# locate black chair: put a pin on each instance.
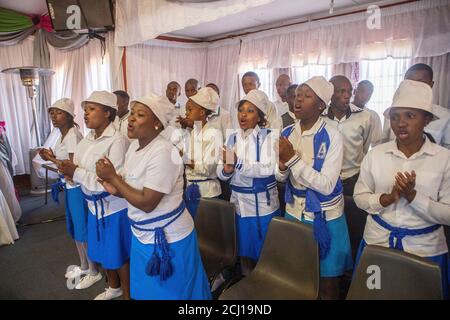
(402, 276)
(216, 232)
(288, 267)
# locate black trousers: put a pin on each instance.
(349, 185)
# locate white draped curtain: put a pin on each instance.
(15, 106)
(221, 68)
(419, 29)
(441, 69)
(78, 73)
(151, 66)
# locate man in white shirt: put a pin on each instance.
(121, 120)
(362, 95)
(289, 117)
(221, 119)
(282, 84)
(173, 91)
(250, 81)
(355, 125)
(438, 129)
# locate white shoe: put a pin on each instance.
(109, 294)
(76, 272)
(69, 270)
(88, 281)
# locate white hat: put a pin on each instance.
(259, 99)
(105, 98)
(160, 106)
(413, 94)
(322, 88)
(207, 98)
(64, 104)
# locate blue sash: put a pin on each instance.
(160, 262)
(314, 201)
(57, 187)
(192, 192)
(398, 234)
(259, 185)
(94, 198)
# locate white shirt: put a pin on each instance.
(439, 129)
(158, 167)
(112, 144)
(302, 174)
(63, 148)
(357, 132)
(121, 124)
(222, 121)
(377, 134)
(204, 146)
(281, 107)
(248, 168)
(430, 206)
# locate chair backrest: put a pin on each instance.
(390, 274)
(216, 230)
(291, 255)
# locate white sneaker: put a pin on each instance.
(69, 269)
(88, 281)
(76, 272)
(109, 294)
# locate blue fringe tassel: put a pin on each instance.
(322, 235)
(166, 269)
(193, 192)
(57, 187)
(153, 265)
(160, 266)
(288, 197)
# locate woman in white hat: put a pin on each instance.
(62, 116)
(248, 163)
(203, 149)
(165, 259)
(310, 161)
(404, 184)
(109, 233)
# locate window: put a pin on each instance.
(385, 75)
(266, 79)
(301, 74)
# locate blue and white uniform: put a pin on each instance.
(314, 192)
(165, 258)
(204, 147)
(253, 185)
(109, 233)
(414, 227)
(76, 208)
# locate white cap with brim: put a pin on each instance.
(207, 98)
(159, 105)
(259, 99)
(321, 87)
(413, 94)
(64, 104)
(104, 98)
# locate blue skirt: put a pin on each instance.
(339, 259)
(188, 281)
(249, 242)
(76, 214)
(112, 248)
(442, 260)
